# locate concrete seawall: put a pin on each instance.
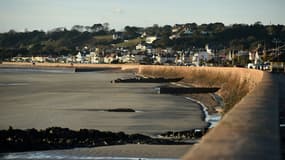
(234, 83)
(250, 128)
(249, 131)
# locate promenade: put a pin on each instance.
(250, 130)
(281, 79)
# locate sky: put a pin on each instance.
(45, 15)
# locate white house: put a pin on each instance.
(183, 58)
(118, 35)
(150, 39)
(200, 57)
(96, 58)
(39, 59)
(79, 58)
(161, 59)
(128, 58)
(143, 35)
(140, 47)
(111, 58)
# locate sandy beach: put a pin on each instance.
(130, 151)
(72, 100)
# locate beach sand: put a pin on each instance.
(72, 100)
(121, 151)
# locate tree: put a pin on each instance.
(106, 27)
(97, 27)
(79, 28)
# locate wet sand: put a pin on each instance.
(72, 100)
(130, 151)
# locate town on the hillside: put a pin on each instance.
(182, 45)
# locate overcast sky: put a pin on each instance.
(48, 14)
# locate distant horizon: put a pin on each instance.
(49, 14)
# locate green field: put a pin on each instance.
(130, 43)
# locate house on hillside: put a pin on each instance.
(141, 47)
(183, 58)
(200, 58)
(79, 58)
(21, 59)
(186, 32)
(118, 35)
(143, 35)
(110, 58)
(128, 58)
(96, 58)
(164, 58)
(150, 39)
(39, 59)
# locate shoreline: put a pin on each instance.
(212, 119)
(178, 131)
(49, 112)
(209, 105)
(123, 67)
(128, 152)
(17, 140)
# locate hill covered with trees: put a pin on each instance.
(62, 41)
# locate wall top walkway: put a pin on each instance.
(248, 131)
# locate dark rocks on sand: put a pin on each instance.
(16, 140)
(190, 134)
(146, 80)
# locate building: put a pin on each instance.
(150, 39)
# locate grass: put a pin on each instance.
(130, 43)
(104, 38)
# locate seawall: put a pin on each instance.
(234, 83)
(250, 128)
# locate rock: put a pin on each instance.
(121, 110)
(15, 140)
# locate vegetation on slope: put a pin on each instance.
(62, 41)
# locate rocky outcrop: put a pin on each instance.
(120, 110)
(16, 140)
(185, 135)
